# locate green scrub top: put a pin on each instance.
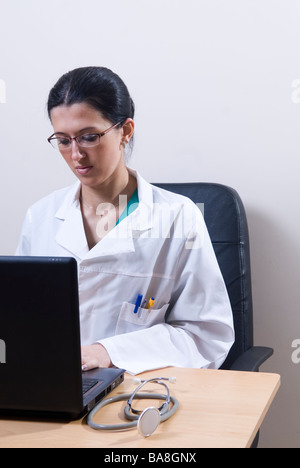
(131, 206)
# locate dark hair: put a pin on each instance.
(97, 86)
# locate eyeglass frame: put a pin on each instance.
(52, 137)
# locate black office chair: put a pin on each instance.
(226, 221)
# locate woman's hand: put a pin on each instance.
(94, 356)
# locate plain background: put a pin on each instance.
(217, 99)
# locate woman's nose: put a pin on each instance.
(77, 153)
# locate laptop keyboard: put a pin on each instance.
(87, 384)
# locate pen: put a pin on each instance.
(141, 307)
(138, 303)
(151, 303)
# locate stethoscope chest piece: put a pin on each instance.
(148, 421)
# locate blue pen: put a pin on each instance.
(138, 303)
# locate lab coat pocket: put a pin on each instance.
(128, 321)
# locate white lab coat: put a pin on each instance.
(161, 250)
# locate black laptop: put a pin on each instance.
(40, 358)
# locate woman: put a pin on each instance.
(150, 290)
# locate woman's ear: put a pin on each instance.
(128, 129)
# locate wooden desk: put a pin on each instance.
(217, 409)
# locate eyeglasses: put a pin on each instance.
(88, 140)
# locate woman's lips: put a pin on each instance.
(83, 170)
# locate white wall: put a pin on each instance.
(212, 82)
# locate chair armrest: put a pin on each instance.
(251, 359)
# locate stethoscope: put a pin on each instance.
(147, 420)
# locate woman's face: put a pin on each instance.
(99, 164)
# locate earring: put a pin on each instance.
(123, 142)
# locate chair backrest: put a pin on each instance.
(226, 222)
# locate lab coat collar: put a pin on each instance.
(141, 218)
(72, 237)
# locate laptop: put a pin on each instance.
(40, 355)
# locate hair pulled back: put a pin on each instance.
(98, 87)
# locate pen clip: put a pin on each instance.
(138, 303)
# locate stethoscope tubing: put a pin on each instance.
(162, 409)
(126, 396)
